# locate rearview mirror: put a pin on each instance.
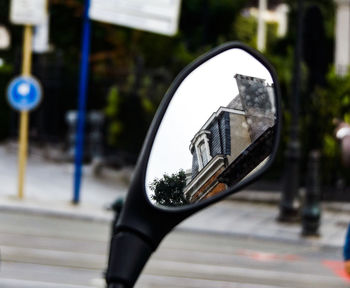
(216, 130)
(219, 129)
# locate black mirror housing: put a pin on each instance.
(142, 225)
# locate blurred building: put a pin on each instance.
(268, 12)
(233, 141)
(342, 36)
(277, 13)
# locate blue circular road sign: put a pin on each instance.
(24, 93)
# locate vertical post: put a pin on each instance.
(24, 116)
(27, 50)
(288, 209)
(262, 26)
(84, 65)
(311, 215)
(342, 37)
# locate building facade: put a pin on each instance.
(217, 148)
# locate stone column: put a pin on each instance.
(261, 25)
(342, 36)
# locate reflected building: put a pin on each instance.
(233, 141)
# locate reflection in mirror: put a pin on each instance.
(218, 129)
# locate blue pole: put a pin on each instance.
(84, 66)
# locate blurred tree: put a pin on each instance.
(245, 28)
(317, 66)
(142, 86)
(131, 70)
(205, 22)
(6, 69)
(112, 112)
(280, 53)
(114, 54)
(332, 102)
(5, 72)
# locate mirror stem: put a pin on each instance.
(128, 255)
(116, 286)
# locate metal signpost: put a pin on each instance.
(24, 93)
(153, 16)
(84, 65)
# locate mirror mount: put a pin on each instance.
(139, 231)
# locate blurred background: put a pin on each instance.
(130, 70)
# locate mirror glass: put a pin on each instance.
(218, 129)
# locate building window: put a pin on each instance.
(203, 153)
(202, 149)
(200, 146)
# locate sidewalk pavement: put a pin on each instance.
(48, 192)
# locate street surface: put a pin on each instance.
(61, 252)
(50, 181)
